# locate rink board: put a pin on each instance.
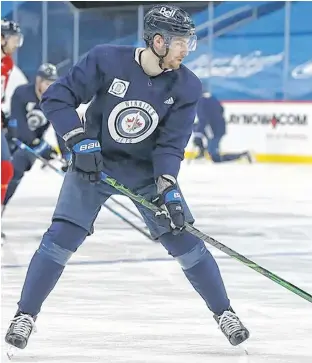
(276, 131)
(273, 131)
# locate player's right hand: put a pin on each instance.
(87, 158)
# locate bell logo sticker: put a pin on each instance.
(168, 13)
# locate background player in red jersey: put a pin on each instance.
(11, 39)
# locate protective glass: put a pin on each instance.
(185, 43)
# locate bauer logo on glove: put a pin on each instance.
(90, 146)
(86, 159)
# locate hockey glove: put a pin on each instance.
(44, 149)
(170, 201)
(87, 158)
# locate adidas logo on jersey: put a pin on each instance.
(169, 101)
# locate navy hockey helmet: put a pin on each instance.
(48, 71)
(9, 28)
(168, 21)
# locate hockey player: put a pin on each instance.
(31, 124)
(137, 127)
(11, 39)
(211, 126)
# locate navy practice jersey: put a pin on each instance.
(210, 112)
(143, 123)
(31, 121)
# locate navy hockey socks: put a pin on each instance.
(199, 267)
(207, 281)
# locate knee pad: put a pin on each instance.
(187, 249)
(61, 240)
(193, 256)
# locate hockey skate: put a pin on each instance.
(232, 327)
(20, 329)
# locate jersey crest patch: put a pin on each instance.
(131, 122)
(118, 87)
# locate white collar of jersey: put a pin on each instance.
(137, 54)
(137, 57)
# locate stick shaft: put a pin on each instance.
(270, 275)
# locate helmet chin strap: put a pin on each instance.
(160, 57)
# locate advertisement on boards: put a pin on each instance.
(277, 128)
(273, 131)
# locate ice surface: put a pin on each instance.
(123, 299)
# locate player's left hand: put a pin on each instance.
(170, 201)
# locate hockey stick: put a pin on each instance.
(23, 146)
(194, 231)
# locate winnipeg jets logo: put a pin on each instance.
(132, 122)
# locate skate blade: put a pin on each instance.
(243, 348)
(11, 351)
(244, 354)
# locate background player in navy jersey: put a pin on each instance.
(137, 127)
(31, 125)
(211, 127)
